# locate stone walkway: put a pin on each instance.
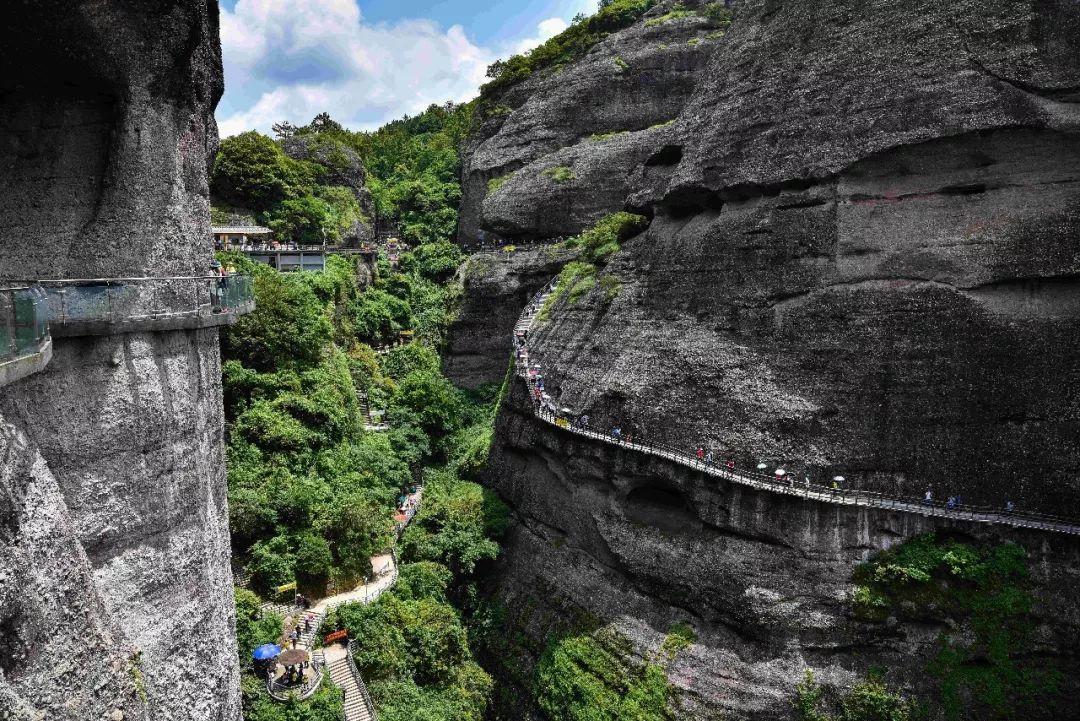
(546, 411)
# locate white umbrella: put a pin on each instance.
(762, 466)
(838, 479)
(545, 396)
(781, 472)
(565, 410)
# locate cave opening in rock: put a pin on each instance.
(660, 504)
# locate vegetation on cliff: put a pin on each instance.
(567, 46)
(984, 666)
(597, 245)
(252, 174)
(410, 168)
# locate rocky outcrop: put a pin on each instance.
(862, 260)
(898, 307)
(115, 463)
(342, 167)
(628, 84)
(495, 286)
(616, 538)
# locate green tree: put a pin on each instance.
(288, 327)
(252, 171)
(307, 220)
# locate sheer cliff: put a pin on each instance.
(862, 260)
(117, 600)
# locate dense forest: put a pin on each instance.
(311, 492)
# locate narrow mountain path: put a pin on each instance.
(546, 411)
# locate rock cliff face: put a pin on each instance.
(862, 260)
(637, 544)
(495, 287)
(627, 88)
(121, 604)
(343, 168)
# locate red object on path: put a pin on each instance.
(335, 636)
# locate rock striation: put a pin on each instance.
(112, 456)
(599, 118)
(862, 260)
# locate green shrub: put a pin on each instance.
(693, 42)
(981, 664)
(868, 700)
(495, 183)
(680, 636)
(601, 137)
(611, 287)
(622, 65)
(567, 46)
(603, 239)
(592, 677)
(559, 173)
(677, 12)
(716, 12)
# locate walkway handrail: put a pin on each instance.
(283, 692)
(24, 321)
(364, 693)
(25, 341)
(152, 301)
(807, 490)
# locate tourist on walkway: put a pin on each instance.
(731, 464)
(700, 454)
(294, 637)
(709, 457)
(616, 433)
(1009, 507)
(928, 499)
(950, 504)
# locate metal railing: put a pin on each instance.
(283, 691)
(787, 486)
(365, 695)
(134, 300)
(24, 322)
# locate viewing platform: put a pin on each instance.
(105, 306)
(257, 243)
(25, 343)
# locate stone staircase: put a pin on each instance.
(307, 638)
(356, 706)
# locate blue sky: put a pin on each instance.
(368, 61)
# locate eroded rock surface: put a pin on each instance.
(863, 260)
(120, 522)
(495, 286)
(634, 543)
(632, 84)
(343, 168)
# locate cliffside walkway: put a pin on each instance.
(25, 343)
(546, 411)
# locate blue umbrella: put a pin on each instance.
(267, 650)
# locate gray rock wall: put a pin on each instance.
(494, 290)
(638, 544)
(862, 259)
(107, 128)
(628, 83)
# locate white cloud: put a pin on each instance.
(546, 29)
(294, 60)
